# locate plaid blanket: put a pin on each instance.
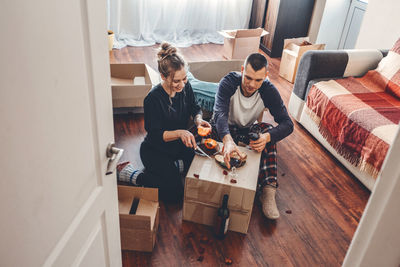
(357, 116)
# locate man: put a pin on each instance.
(240, 99)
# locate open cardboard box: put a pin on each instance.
(291, 55)
(238, 44)
(210, 72)
(213, 71)
(139, 230)
(131, 83)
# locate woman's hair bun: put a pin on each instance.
(169, 59)
(166, 50)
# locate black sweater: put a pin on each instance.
(160, 115)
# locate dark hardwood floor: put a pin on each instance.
(319, 200)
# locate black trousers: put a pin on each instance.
(161, 171)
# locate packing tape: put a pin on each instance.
(205, 204)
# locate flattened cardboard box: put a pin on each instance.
(130, 83)
(203, 195)
(139, 230)
(238, 44)
(291, 55)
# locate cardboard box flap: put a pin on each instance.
(154, 77)
(292, 47)
(228, 34)
(125, 203)
(127, 70)
(148, 208)
(294, 44)
(251, 33)
(296, 41)
(213, 71)
(138, 192)
(264, 32)
(243, 33)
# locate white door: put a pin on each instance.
(58, 208)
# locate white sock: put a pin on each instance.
(128, 174)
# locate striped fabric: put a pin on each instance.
(359, 117)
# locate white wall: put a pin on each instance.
(381, 25)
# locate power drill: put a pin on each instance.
(254, 136)
(254, 132)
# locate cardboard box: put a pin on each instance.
(139, 230)
(130, 83)
(203, 195)
(291, 55)
(213, 71)
(238, 44)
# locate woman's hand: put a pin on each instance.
(187, 138)
(204, 124)
(200, 122)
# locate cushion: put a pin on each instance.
(204, 92)
(389, 69)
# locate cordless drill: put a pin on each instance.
(254, 136)
(254, 132)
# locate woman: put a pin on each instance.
(168, 148)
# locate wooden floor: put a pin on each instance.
(319, 200)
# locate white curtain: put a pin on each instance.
(180, 22)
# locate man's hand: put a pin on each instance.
(187, 138)
(259, 144)
(228, 148)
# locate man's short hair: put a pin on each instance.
(257, 61)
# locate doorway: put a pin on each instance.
(352, 25)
